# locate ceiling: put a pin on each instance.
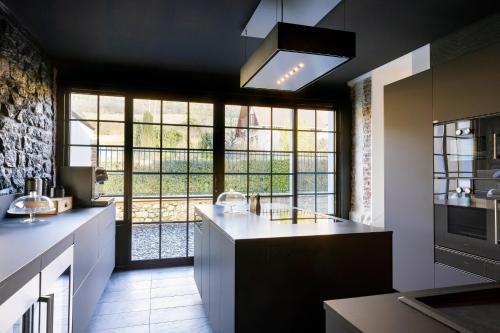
(204, 36)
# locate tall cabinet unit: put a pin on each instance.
(408, 164)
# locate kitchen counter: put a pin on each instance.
(385, 313)
(250, 226)
(271, 273)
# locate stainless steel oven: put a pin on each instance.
(467, 189)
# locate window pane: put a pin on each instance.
(235, 162)
(147, 111)
(83, 132)
(282, 140)
(112, 108)
(325, 141)
(174, 161)
(146, 185)
(111, 134)
(173, 210)
(173, 240)
(259, 139)
(194, 202)
(325, 120)
(201, 138)
(174, 136)
(190, 239)
(82, 156)
(307, 202)
(259, 184)
(282, 184)
(201, 161)
(174, 185)
(282, 118)
(287, 201)
(111, 158)
(201, 114)
(306, 119)
(325, 183)
(146, 160)
(200, 185)
(236, 116)
(326, 204)
(282, 163)
(83, 106)
(325, 162)
(146, 136)
(145, 242)
(305, 183)
(236, 182)
(259, 162)
(119, 208)
(145, 210)
(236, 139)
(175, 112)
(260, 117)
(305, 162)
(112, 186)
(305, 141)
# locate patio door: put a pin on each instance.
(172, 171)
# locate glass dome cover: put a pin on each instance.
(31, 204)
(232, 201)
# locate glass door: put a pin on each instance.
(172, 171)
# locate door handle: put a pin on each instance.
(495, 156)
(49, 300)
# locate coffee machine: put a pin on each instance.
(81, 183)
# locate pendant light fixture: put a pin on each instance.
(293, 56)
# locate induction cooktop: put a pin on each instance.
(284, 214)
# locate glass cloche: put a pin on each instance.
(31, 204)
(232, 201)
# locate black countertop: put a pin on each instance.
(243, 226)
(21, 244)
(386, 314)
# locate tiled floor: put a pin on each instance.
(151, 300)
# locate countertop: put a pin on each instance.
(21, 244)
(386, 314)
(250, 226)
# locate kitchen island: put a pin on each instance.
(271, 273)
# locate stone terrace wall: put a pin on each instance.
(26, 109)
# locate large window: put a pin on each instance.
(259, 152)
(97, 132)
(172, 172)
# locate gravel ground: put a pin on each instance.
(146, 245)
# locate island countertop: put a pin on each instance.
(242, 226)
(22, 244)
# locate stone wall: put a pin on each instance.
(361, 177)
(26, 109)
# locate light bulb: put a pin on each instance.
(278, 82)
(290, 72)
(295, 69)
(286, 76)
(301, 65)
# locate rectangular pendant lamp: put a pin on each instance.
(293, 56)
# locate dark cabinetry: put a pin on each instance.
(467, 86)
(408, 180)
(446, 276)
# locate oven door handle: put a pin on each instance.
(49, 300)
(494, 195)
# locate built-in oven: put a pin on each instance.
(44, 303)
(467, 188)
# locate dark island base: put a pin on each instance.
(281, 283)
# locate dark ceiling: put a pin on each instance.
(204, 36)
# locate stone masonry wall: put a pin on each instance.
(26, 109)
(362, 152)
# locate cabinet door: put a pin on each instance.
(447, 276)
(468, 86)
(197, 257)
(205, 266)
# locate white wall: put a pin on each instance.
(398, 69)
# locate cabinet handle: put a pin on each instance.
(49, 300)
(494, 146)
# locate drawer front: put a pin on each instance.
(86, 251)
(469, 263)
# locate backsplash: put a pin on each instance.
(26, 108)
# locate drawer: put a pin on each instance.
(461, 260)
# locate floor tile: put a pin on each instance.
(174, 290)
(124, 295)
(119, 320)
(123, 284)
(121, 306)
(177, 313)
(132, 275)
(167, 282)
(173, 301)
(199, 325)
(131, 329)
(171, 272)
